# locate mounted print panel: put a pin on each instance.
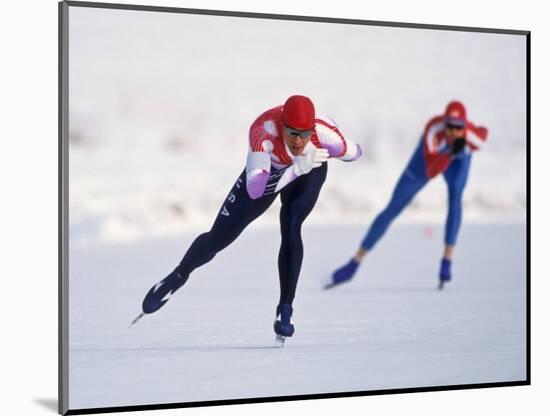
(262, 207)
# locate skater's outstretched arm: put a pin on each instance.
(476, 136)
(332, 139)
(436, 152)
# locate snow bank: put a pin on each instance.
(160, 106)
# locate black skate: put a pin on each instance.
(283, 326)
(159, 294)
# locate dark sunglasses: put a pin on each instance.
(453, 127)
(304, 134)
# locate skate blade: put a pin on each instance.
(441, 285)
(280, 341)
(332, 284)
(141, 315)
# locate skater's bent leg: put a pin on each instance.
(456, 177)
(298, 199)
(405, 190)
(291, 255)
(360, 254)
(236, 213)
(411, 181)
(203, 249)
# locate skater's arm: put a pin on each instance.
(301, 165)
(352, 153)
(260, 181)
(476, 136)
(258, 163)
(439, 158)
(258, 167)
(436, 153)
(332, 139)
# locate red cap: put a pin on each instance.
(299, 113)
(455, 113)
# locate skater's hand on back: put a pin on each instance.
(313, 159)
(457, 146)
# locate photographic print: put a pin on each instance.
(263, 207)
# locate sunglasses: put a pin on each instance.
(453, 127)
(304, 134)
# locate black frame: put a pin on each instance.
(63, 176)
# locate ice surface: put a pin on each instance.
(389, 328)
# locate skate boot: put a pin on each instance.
(444, 272)
(159, 294)
(343, 274)
(283, 326)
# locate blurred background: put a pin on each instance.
(160, 106)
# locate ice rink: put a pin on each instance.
(389, 328)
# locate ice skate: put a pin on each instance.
(283, 326)
(343, 274)
(444, 273)
(160, 293)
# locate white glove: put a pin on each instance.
(312, 159)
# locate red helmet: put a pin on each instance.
(455, 113)
(299, 113)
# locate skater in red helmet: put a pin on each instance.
(446, 148)
(289, 146)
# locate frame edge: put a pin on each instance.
(63, 292)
